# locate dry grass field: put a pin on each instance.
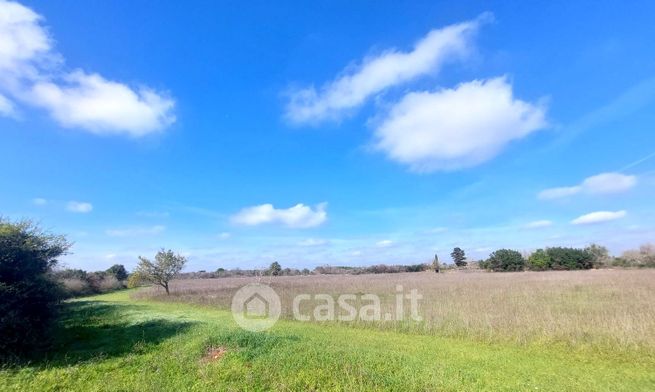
(603, 309)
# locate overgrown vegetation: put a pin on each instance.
(77, 282)
(28, 294)
(561, 258)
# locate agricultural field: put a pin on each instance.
(553, 331)
(613, 309)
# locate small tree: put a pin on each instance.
(539, 260)
(435, 264)
(275, 269)
(459, 257)
(119, 272)
(506, 260)
(165, 267)
(600, 254)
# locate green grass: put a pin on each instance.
(113, 343)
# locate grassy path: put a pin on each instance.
(111, 343)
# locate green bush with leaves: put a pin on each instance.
(570, 258)
(539, 261)
(28, 294)
(505, 260)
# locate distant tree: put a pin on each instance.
(570, 258)
(459, 257)
(600, 254)
(275, 269)
(435, 264)
(539, 260)
(118, 271)
(165, 267)
(28, 294)
(505, 260)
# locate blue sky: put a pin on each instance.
(337, 133)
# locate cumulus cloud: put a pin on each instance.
(604, 183)
(298, 216)
(377, 73)
(456, 128)
(31, 71)
(599, 217)
(79, 207)
(539, 224)
(135, 231)
(98, 105)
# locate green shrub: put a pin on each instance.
(569, 258)
(505, 260)
(539, 261)
(28, 294)
(134, 280)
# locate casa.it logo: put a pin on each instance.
(256, 307)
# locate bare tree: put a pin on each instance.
(165, 267)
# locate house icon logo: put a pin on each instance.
(256, 307)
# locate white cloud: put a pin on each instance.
(598, 217)
(101, 106)
(31, 71)
(310, 242)
(456, 128)
(604, 183)
(39, 201)
(539, 224)
(298, 216)
(609, 183)
(135, 231)
(384, 243)
(224, 235)
(6, 107)
(375, 74)
(79, 207)
(556, 193)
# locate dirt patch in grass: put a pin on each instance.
(214, 354)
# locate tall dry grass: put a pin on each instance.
(598, 308)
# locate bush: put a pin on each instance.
(505, 260)
(78, 283)
(118, 271)
(134, 280)
(642, 258)
(539, 261)
(75, 287)
(28, 294)
(600, 255)
(569, 258)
